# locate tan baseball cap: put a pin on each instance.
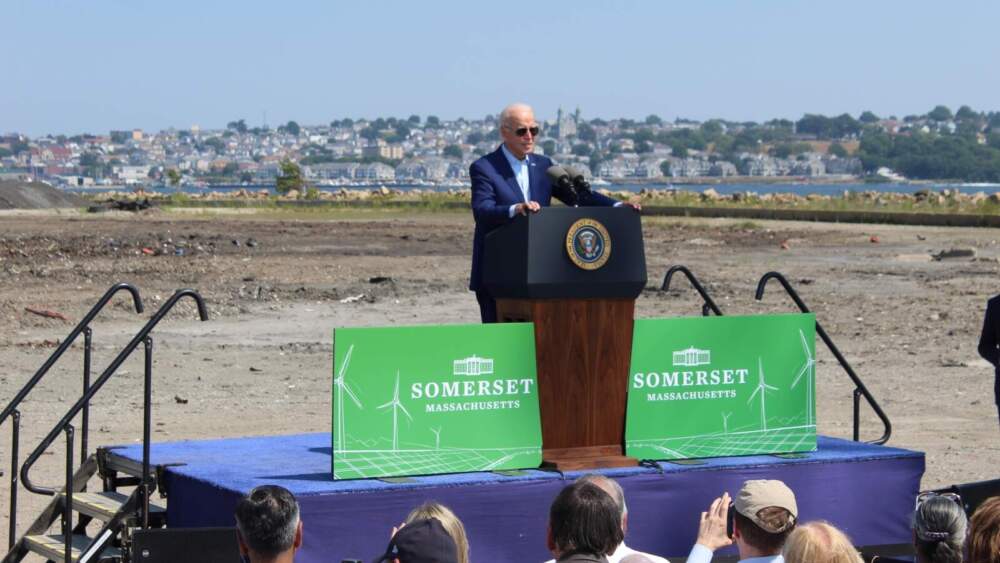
(758, 494)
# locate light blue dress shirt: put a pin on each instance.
(520, 168)
(701, 554)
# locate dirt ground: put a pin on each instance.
(277, 284)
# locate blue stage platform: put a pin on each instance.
(866, 490)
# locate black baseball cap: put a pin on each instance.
(421, 541)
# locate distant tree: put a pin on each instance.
(290, 178)
(5, 152)
(712, 129)
(293, 128)
(643, 147)
(665, 168)
(585, 132)
(653, 119)
(369, 133)
(173, 176)
(433, 122)
(837, 150)
(89, 159)
(643, 135)
(965, 113)
(598, 122)
(414, 119)
(454, 151)
(476, 137)
(230, 169)
(940, 113)
(549, 147)
(238, 126)
(216, 144)
(785, 150)
(246, 177)
(868, 117)
(679, 150)
(582, 149)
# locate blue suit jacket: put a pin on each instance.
(495, 189)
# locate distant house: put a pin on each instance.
(424, 168)
(849, 165)
(375, 171)
(723, 169)
(330, 171)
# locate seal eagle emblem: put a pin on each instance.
(588, 244)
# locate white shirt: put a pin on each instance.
(623, 551)
(701, 554)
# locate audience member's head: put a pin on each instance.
(584, 519)
(268, 525)
(765, 513)
(421, 541)
(819, 542)
(636, 558)
(939, 525)
(448, 520)
(611, 487)
(984, 533)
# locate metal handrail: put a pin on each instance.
(11, 409)
(100, 381)
(70, 338)
(859, 387)
(709, 303)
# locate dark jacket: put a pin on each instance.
(495, 189)
(989, 341)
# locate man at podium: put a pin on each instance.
(508, 182)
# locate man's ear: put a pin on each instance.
(297, 543)
(624, 523)
(244, 550)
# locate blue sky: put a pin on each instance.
(71, 66)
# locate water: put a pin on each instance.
(725, 189)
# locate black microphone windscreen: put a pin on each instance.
(555, 172)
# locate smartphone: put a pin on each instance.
(730, 518)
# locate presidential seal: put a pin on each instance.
(588, 244)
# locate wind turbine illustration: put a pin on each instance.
(396, 406)
(725, 422)
(762, 388)
(807, 368)
(342, 388)
(437, 437)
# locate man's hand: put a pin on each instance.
(525, 208)
(635, 205)
(712, 529)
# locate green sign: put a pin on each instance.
(721, 386)
(422, 400)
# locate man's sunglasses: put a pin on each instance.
(522, 131)
(925, 496)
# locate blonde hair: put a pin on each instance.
(448, 520)
(819, 542)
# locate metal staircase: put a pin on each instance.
(105, 520)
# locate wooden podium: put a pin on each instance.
(583, 318)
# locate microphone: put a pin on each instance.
(580, 183)
(562, 184)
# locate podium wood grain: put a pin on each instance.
(582, 348)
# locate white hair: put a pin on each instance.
(506, 112)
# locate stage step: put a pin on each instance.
(104, 506)
(53, 547)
